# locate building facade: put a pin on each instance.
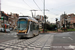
(71, 20)
(40, 19)
(13, 17)
(9, 19)
(67, 20)
(4, 21)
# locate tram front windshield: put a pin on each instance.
(22, 25)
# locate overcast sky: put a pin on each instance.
(23, 7)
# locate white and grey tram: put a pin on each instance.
(27, 27)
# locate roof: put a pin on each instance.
(28, 18)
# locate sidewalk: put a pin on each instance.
(1, 33)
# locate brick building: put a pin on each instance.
(13, 17)
(9, 19)
(5, 21)
(41, 20)
(71, 20)
(67, 20)
(63, 18)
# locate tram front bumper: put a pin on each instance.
(23, 35)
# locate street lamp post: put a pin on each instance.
(32, 12)
(0, 13)
(64, 21)
(57, 23)
(0, 19)
(44, 15)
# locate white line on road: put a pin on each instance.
(72, 47)
(63, 37)
(15, 36)
(8, 49)
(25, 48)
(37, 49)
(70, 38)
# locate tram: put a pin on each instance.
(27, 27)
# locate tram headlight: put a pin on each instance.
(25, 32)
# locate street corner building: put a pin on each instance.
(8, 19)
(68, 20)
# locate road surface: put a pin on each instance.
(44, 41)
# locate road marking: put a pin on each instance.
(25, 48)
(2, 47)
(37, 49)
(37, 45)
(48, 43)
(15, 36)
(70, 38)
(72, 47)
(30, 47)
(8, 49)
(46, 47)
(63, 37)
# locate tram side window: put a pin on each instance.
(31, 27)
(37, 27)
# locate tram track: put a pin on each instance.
(35, 43)
(15, 42)
(44, 46)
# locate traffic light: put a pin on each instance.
(1, 18)
(56, 19)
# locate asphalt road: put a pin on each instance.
(7, 36)
(64, 41)
(44, 41)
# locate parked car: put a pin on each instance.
(8, 30)
(11, 28)
(0, 29)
